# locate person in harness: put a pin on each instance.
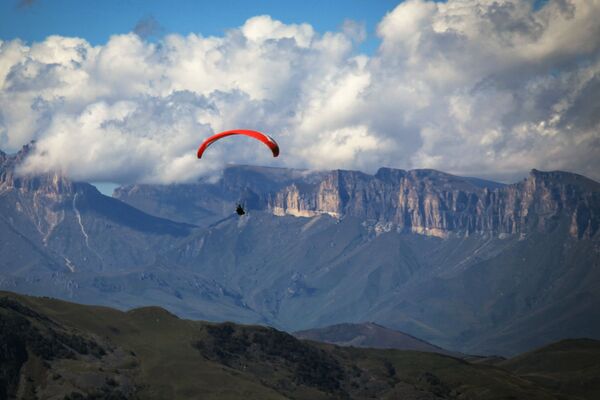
(265, 139)
(240, 210)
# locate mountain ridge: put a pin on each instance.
(420, 201)
(371, 335)
(48, 208)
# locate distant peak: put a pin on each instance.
(387, 173)
(537, 172)
(564, 177)
(27, 149)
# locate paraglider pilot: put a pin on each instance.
(267, 140)
(240, 210)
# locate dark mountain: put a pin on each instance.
(569, 367)
(370, 335)
(55, 349)
(470, 265)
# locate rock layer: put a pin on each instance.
(437, 204)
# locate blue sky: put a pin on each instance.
(96, 21)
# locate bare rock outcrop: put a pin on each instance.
(437, 204)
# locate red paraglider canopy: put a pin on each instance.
(269, 141)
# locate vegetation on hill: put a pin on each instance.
(59, 350)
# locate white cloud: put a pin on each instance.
(477, 87)
(495, 85)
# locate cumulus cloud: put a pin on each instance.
(497, 84)
(478, 87)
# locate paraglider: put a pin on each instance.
(269, 141)
(266, 139)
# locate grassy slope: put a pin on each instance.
(569, 366)
(179, 359)
(161, 341)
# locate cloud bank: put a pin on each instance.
(474, 87)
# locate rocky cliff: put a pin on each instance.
(437, 204)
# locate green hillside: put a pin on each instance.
(53, 349)
(570, 366)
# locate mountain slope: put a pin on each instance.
(477, 294)
(66, 239)
(148, 353)
(75, 225)
(370, 335)
(568, 367)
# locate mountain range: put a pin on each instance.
(468, 264)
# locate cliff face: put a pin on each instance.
(436, 204)
(425, 202)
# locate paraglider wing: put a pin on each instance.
(269, 141)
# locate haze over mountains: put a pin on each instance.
(467, 264)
